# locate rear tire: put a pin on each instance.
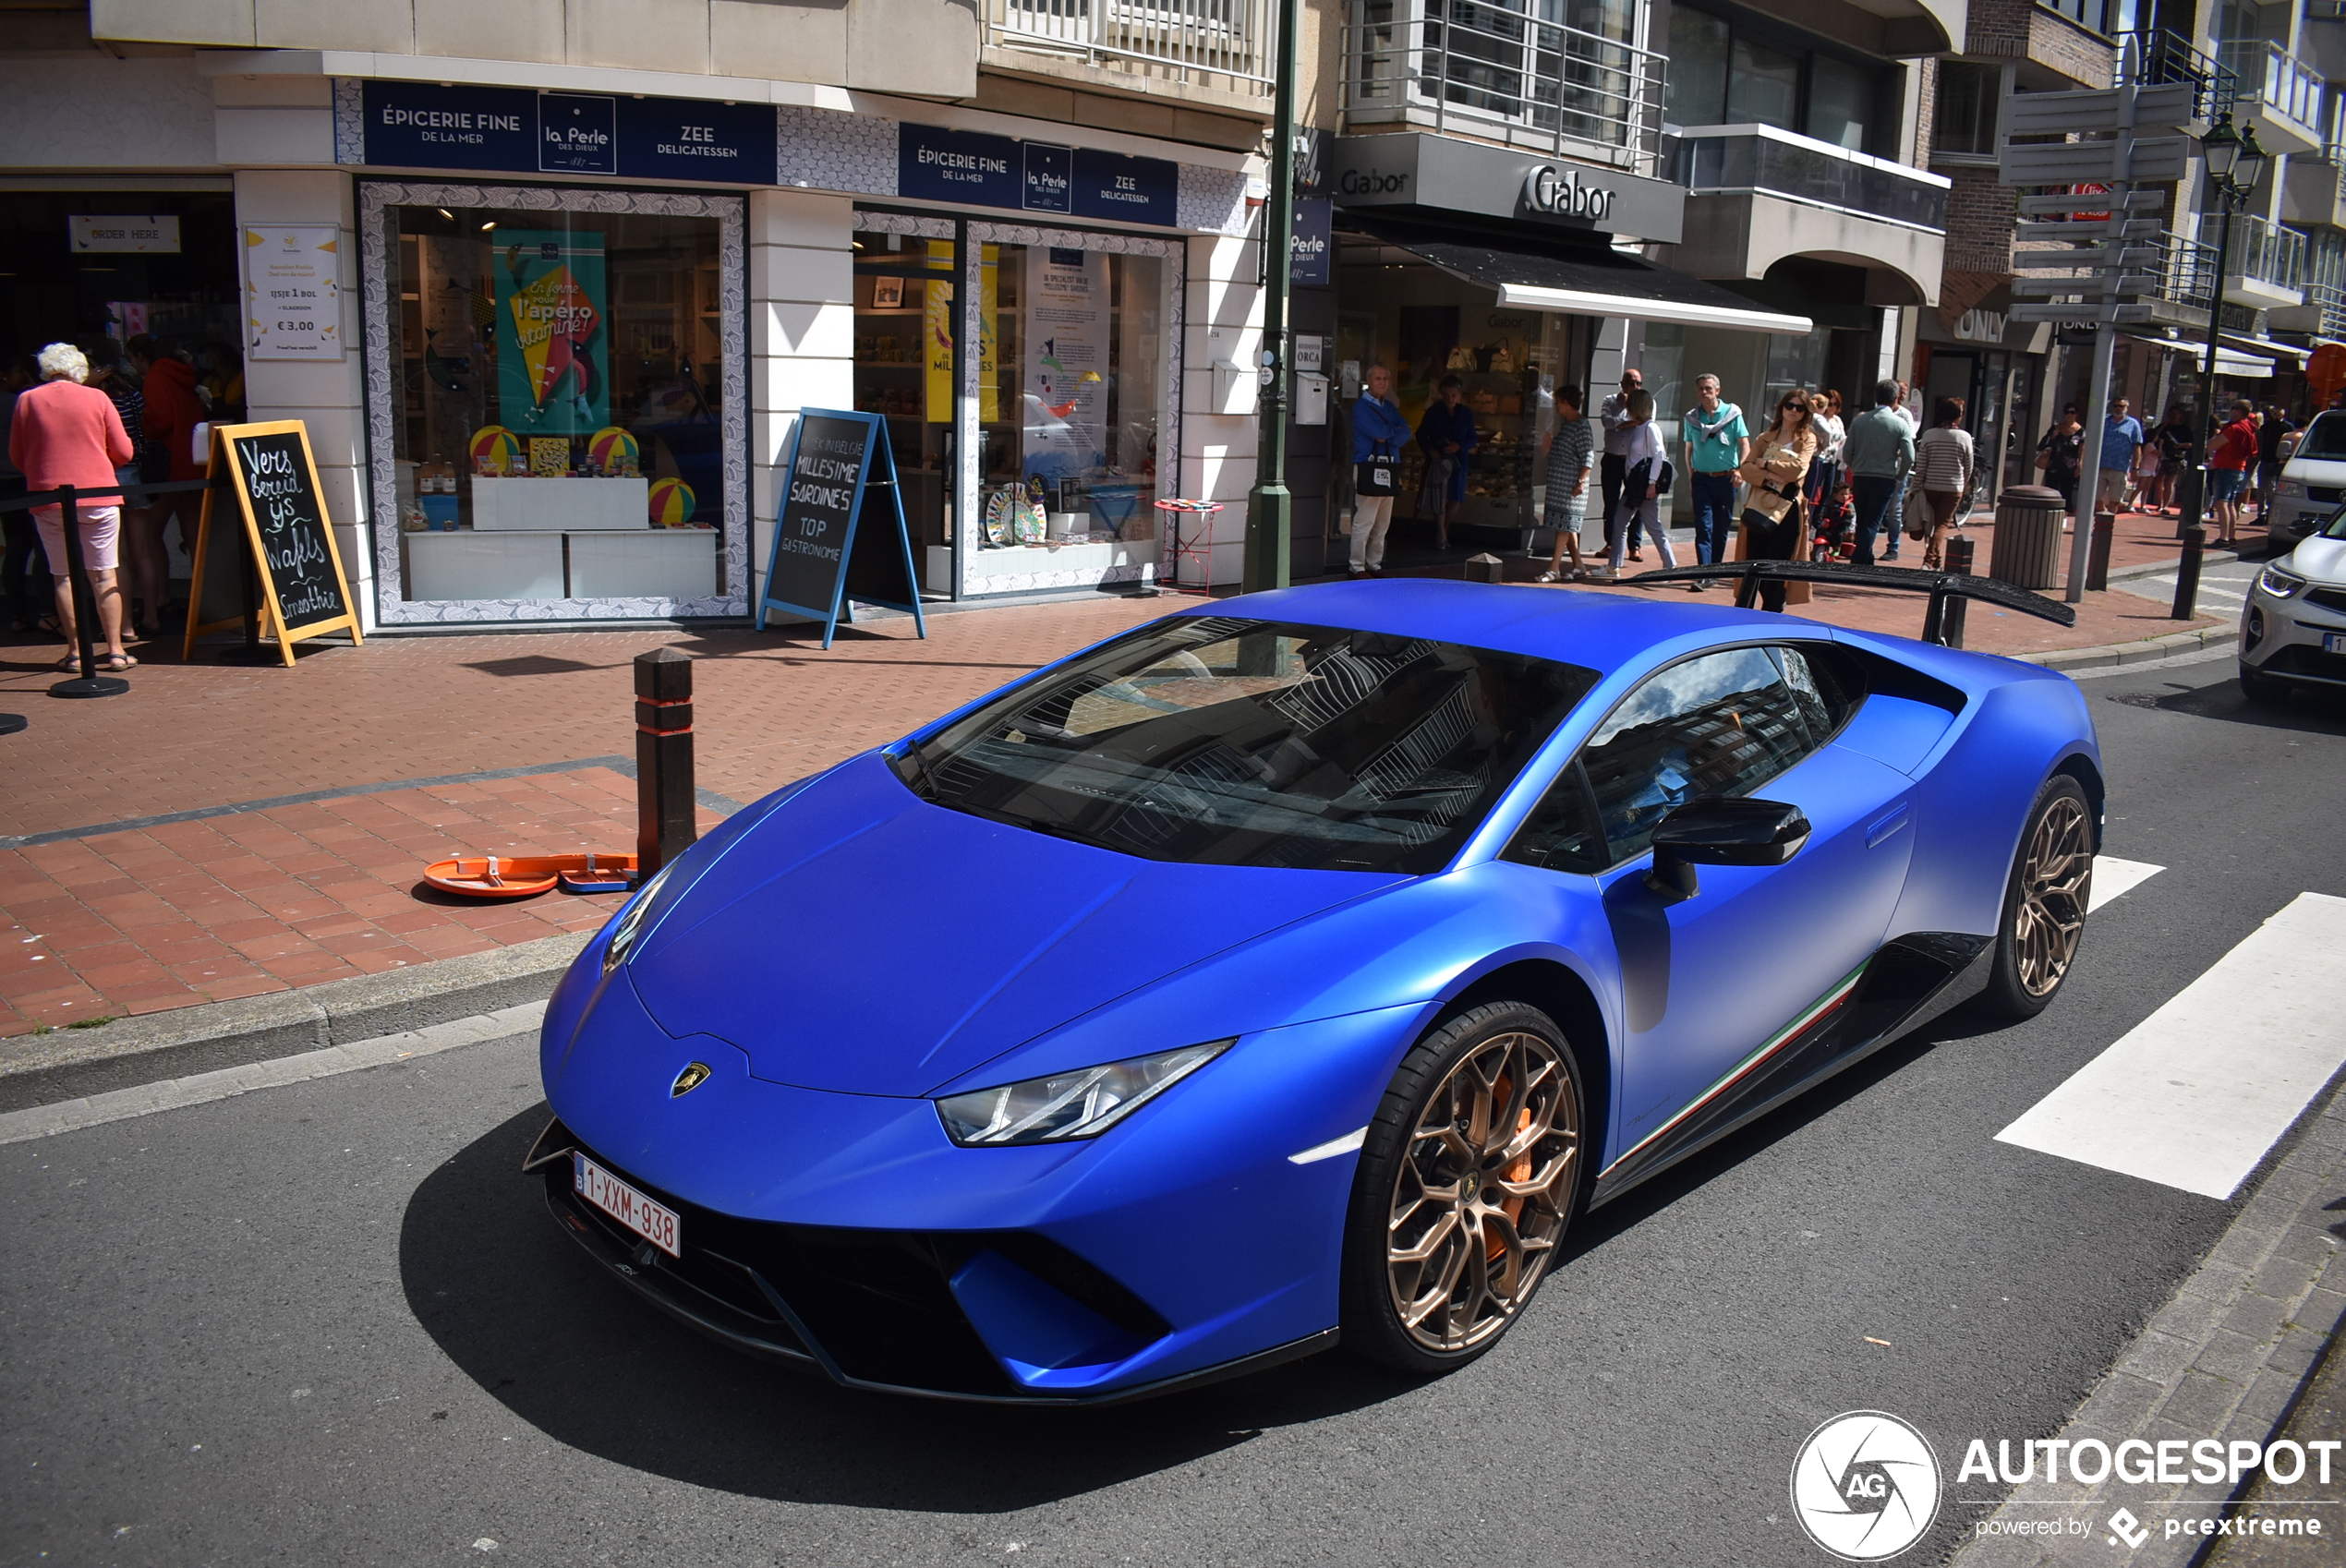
(1471, 1173)
(2045, 899)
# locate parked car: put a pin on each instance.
(2313, 481)
(1294, 966)
(2293, 630)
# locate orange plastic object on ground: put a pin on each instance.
(522, 877)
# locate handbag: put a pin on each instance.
(1376, 476)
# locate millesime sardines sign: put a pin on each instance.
(973, 168)
(829, 463)
(280, 500)
(425, 126)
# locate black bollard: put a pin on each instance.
(664, 795)
(2098, 556)
(1958, 563)
(2187, 574)
(89, 683)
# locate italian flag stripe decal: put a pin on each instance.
(1775, 1043)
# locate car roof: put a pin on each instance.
(1598, 631)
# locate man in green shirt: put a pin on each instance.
(1879, 450)
(1717, 442)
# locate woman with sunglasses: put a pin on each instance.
(1773, 521)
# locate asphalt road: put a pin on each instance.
(328, 1324)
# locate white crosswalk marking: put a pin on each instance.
(2114, 878)
(2194, 1094)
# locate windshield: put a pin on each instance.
(2325, 439)
(1219, 741)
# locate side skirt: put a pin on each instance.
(1904, 985)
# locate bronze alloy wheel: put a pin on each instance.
(1481, 1194)
(2055, 879)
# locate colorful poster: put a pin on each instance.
(1067, 362)
(936, 334)
(553, 351)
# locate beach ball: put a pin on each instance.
(609, 447)
(672, 503)
(496, 443)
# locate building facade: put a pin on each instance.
(550, 283)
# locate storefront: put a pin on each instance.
(576, 389)
(1997, 367)
(1507, 270)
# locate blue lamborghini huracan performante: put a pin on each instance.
(1295, 968)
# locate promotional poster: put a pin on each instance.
(553, 346)
(1067, 362)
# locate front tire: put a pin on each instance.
(2258, 687)
(1471, 1174)
(2045, 901)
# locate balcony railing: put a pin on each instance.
(2330, 300)
(2272, 76)
(2264, 251)
(1510, 72)
(2162, 56)
(1222, 44)
(1735, 160)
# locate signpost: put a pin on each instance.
(825, 557)
(2108, 250)
(273, 480)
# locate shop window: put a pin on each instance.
(1070, 407)
(1968, 92)
(557, 406)
(904, 368)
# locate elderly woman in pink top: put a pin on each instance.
(66, 433)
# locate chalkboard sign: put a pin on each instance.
(840, 539)
(266, 471)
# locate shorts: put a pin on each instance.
(101, 527)
(2225, 483)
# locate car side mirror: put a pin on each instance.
(1722, 830)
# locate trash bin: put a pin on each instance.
(2028, 552)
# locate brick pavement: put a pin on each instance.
(140, 919)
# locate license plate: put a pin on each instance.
(655, 1223)
(2334, 642)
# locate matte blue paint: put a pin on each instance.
(843, 951)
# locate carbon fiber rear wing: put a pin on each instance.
(1948, 591)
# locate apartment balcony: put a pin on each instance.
(2265, 269)
(1757, 196)
(1222, 45)
(2314, 188)
(2278, 95)
(1511, 74)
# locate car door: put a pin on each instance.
(1708, 981)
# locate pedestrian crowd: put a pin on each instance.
(99, 418)
(1815, 481)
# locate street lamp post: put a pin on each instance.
(2234, 161)
(1269, 507)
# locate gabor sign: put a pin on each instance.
(1547, 190)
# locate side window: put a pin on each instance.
(1561, 833)
(1723, 724)
(1826, 686)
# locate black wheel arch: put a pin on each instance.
(2080, 767)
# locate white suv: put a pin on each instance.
(2294, 630)
(2313, 482)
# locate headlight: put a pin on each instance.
(2280, 584)
(2288, 488)
(1082, 1103)
(630, 923)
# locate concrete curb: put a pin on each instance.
(37, 1069)
(2144, 652)
(2228, 1358)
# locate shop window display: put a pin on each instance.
(1070, 395)
(557, 397)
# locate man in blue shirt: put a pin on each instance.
(1717, 442)
(2122, 442)
(1378, 434)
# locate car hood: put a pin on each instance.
(862, 941)
(2315, 470)
(2322, 560)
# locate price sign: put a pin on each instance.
(293, 293)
